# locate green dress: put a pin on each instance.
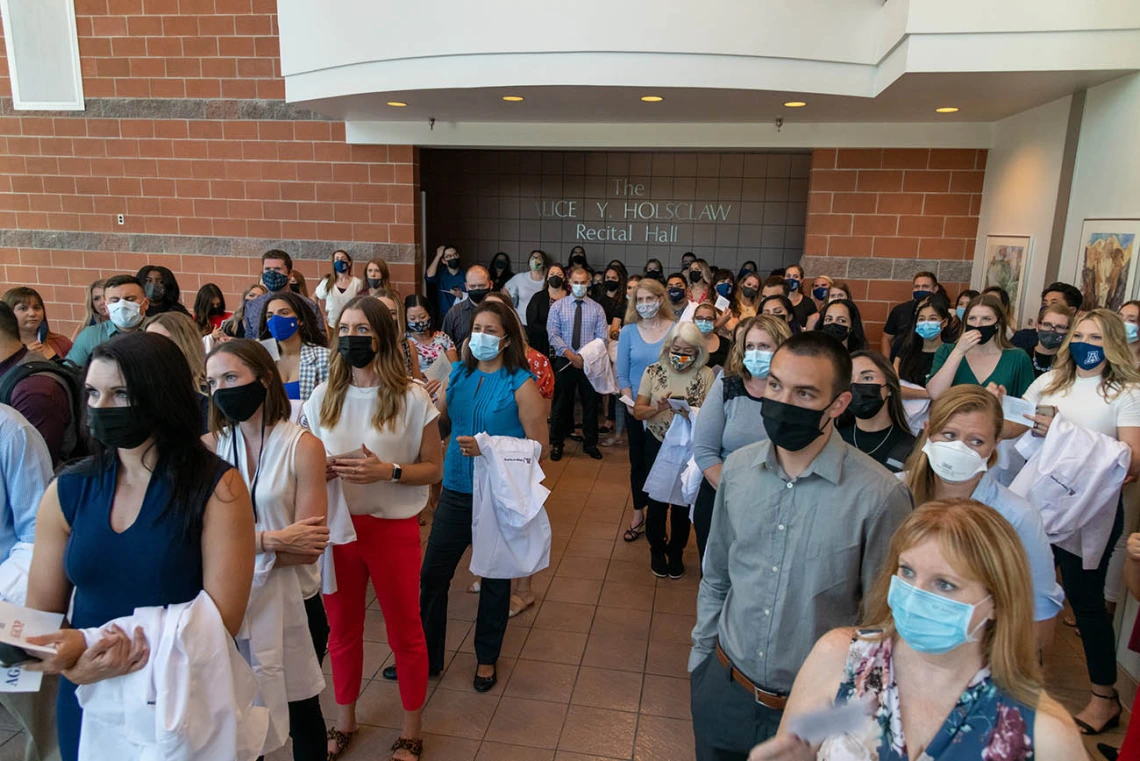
(1014, 370)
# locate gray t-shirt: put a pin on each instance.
(729, 420)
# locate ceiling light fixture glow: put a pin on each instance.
(513, 98)
(947, 110)
(795, 104)
(652, 98)
(397, 104)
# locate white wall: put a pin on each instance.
(1019, 197)
(1106, 178)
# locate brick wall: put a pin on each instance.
(186, 133)
(875, 217)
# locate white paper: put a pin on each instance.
(679, 405)
(1013, 408)
(846, 718)
(722, 303)
(440, 370)
(624, 399)
(16, 624)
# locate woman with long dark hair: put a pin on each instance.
(430, 344)
(161, 288)
(539, 308)
(841, 320)
(151, 518)
(210, 309)
(880, 429)
(916, 352)
(302, 358)
(501, 271)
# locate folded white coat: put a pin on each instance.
(275, 641)
(341, 531)
(1073, 476)
(598, 367)
(664, 482)
(510, 533)
(192, 701)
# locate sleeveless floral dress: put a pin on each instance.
(985, 724)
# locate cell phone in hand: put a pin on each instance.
(1044, 410)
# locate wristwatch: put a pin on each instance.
(397, 471)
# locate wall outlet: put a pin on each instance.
(121, 219)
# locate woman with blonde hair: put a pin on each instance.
(234, 326)
(946, 658)
(183, 331)
(94, 308)
(730, 417)
(647, 320)
(982, 354)
(680, 373)
(391, 301)
(1092, 384)
(381, 431)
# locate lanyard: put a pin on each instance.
(257, 469)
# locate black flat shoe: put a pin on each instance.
(1108, 751)
(556, 453)
(486, 683)
(390, 673)
(593, 452)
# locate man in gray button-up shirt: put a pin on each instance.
(798, 536)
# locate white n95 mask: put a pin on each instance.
(953, 461)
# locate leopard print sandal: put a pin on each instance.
(415, 747)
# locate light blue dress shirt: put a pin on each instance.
(25, 471)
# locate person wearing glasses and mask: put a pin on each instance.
(448, 280)
(880, 429)
(457, 321)
(1052, 326)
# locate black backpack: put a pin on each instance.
(67, 374)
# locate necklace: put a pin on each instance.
(1038, 367)
(855, 438)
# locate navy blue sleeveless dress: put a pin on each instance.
(149, 564)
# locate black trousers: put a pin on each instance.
(449, 539)
(727, 721)
(1085, 590)
(637, 470)
(678, 515)
(306, 721)
(702, 516)
(568, 381)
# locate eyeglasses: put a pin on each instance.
(1052, 328)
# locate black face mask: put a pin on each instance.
(240, 402)
(866, 400)
(694, 276)
(154, 291)
(611, 286)
(556, 282)
(295, 287)
(790, 427)
(216, 310)
(655, 275)
(987, 331)
(452, 264)
(356, 350)
(676, 295)
(117, 427)
(748, 293)
(578, 259)
(1050, 340)
(836, 331)
(375, 282)
(478, 294)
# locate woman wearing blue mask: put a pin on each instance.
(647, 320)
(337, 288)
(945, 659)
(916, 352)
(706, 317)
(1093, 384)
(296, 344)
(963, 301)
(803, 305)
(730, 418)
(1130, 313)
(490, 391)
(982, 355)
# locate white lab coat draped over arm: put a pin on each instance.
(598, 367)
(664, 482)
(510, 533)
(193, 701)
(1074, 479)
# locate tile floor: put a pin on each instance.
(595, 671)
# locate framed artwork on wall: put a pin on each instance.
(1107, 262)
(1005, 264)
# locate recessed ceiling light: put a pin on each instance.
(795, 104)
(397, 104)
(652, 98)
(513, 98)
(947, 110)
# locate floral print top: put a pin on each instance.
(430, 352)
(542, 371)
(986, 724)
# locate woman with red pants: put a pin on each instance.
(382, 431)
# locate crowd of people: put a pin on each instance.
(886, 523)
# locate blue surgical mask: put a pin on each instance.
(819, 294)
(724, 289)
(484, 346)
(341, 266)
(960, 311)
(281, 328)
(757, 362)
(1085, 355)
(578, 289)
(930, 623)
(705, 326)
(928, 329)
(1132, 332)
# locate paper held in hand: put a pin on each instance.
(440, 370)
(722, 303)
(626, 401)
(1013, 409)
(679, 405)
(16, 625)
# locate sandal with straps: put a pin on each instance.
(342, 740)
(415, 747)
(633, 532)
(1112, 723)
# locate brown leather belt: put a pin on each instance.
(767, 699)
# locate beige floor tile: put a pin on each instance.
(565, 755)
(459, 714)
(672, 627)
(554, 646)
(617, 594)
(595, 548)
(621, 622)
(503, 752)
(564, 616)
(595, 530)
(607, 688)
(531, 723)
(617, 653)
(438, 746)
(582, 591)
(599, 731)
(671, 598)
(581, 567)
(662, 739)
(368, 741)
(539, 680)
(513, 641)
(668, 659)
(379, 705)
(631, 571)
(665, 696)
